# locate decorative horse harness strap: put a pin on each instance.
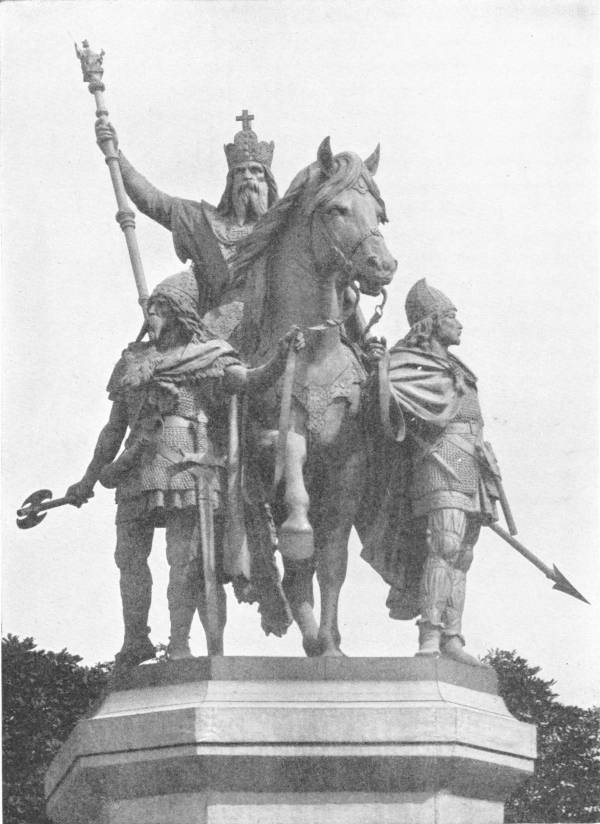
(316, 398)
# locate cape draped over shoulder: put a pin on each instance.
(142, 363)
(424, 388)
(249, 540)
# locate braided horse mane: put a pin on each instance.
(251, 261)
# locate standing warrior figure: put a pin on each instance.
(441, 483)
(206, 235)
(171, 394)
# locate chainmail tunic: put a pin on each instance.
(160, 481)
(432, 486)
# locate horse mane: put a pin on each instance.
(349, 171)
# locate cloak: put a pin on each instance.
(423, 389)
(201, 234)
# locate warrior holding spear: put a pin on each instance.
(438, 484)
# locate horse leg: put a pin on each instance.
(295, 533)
(298, 587)
(296, 544)
(339, 509)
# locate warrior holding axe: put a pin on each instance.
(171, 394)
(180, 468)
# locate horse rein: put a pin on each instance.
(347, 266)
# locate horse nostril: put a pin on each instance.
(373, 261)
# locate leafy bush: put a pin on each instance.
(566, 782)
(43, 695)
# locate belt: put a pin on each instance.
(177, 421)
(461, 427)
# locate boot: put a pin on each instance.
(135, 650)
(453, 647)
(136, 591)
(429, 640)
(181, 621)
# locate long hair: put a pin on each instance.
(187, 323)
(421, 333)
(225, 206)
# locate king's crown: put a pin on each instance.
(246, 146)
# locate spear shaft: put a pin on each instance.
(91, 67)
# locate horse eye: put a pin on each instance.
(337, 210)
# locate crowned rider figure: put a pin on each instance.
(439, 479)
(205, 234)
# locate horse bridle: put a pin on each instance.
(346, 258)
(347, 267)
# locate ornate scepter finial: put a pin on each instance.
(91, 66)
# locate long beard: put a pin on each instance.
(250, 202)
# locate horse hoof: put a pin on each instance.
(334, 652)
(312, 647)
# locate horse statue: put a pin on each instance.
(300, 266)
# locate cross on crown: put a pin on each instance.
(245, 118)
(246, 146)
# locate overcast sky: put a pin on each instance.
(487, 115)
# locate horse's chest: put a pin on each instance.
(317, 398)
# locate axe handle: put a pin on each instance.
(26, 510)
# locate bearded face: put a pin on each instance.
(250, 192)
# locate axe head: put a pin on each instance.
(29, 515)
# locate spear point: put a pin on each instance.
(563, 585)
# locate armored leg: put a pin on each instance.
(445, 532)
(452, 642)
(185, 593)
(183, 546)
(214, 634)
(454, 609)
(134, 542)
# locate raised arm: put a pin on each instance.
(148, 199)
(107, 446)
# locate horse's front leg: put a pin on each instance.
(333, 533)
(296, 543)
(296, 534)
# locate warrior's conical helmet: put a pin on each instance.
(423, 300)
(181, 290)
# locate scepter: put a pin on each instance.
(91, 67)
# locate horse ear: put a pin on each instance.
(372, 162)
(325, 156)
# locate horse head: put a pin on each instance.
(346, 210)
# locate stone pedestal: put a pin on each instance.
(294, 741)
